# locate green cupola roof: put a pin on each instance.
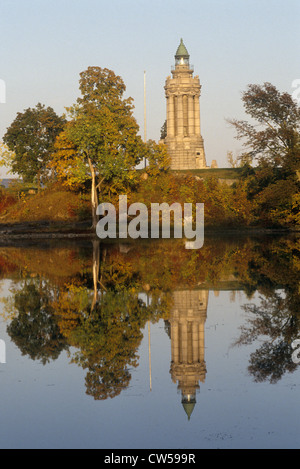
(188, 403)
(181, 51)
(188, 407)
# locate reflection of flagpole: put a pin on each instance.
(149, 356)
(149, 348)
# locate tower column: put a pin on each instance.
(197, 115)
(195, 343)
(180, 114)
(171, 116)
(185, 115)
(201, 341)
(184, 341)
(191, 115)
(175, 342)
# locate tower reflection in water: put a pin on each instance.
(186, 328)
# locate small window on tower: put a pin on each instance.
(198, 153)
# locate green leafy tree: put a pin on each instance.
(105, 133)
(157, 157)
(272, 140)
(163, 131)
(30, 139)
(274, 136)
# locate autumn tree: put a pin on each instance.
(67, 165)
(104, 134)
(157, 158)
(30, 140)
(272, 141)
(273, 138)
(6, 156)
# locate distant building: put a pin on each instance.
(5, 182)
(183, 135)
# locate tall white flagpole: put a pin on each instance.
(145, 114)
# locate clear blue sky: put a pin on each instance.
(45, 44)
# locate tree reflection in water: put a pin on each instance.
(34, 329)
(278, 326)
(274, 271)
(92, 298)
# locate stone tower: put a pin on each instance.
(187, 323)
(183, 135)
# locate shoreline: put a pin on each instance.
(54, 230)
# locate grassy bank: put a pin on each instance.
(57, 210)
(219, 173)
(51, 206)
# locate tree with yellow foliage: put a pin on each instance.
(103, 144)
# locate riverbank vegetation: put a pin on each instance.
(92, 154)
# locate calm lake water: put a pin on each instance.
(149, 345)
